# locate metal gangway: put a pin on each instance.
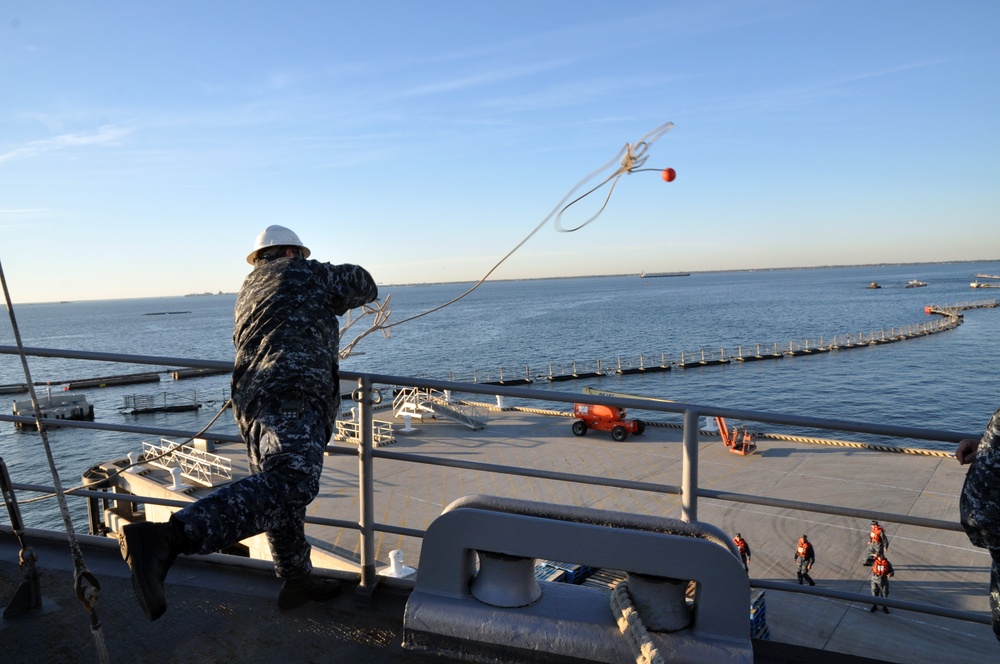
(416, 402)
(196, 465)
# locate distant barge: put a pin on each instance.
(647, 275)
(60, 407)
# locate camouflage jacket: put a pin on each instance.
(980, 501)
(287, 335)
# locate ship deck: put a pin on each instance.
(217, 613)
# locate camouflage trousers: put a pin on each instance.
(285, 450)
(802, 571)
(880, 586)
(874, 549)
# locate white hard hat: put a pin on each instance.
(277, 236)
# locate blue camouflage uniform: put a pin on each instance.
(880, 579)
(285, 393)
(805, 558)
(979, 506)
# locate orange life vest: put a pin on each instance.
(876, 533)
(741, 544)
(881, 567)
(803, 549)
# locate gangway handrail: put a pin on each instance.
(350, 431)
(196, 465)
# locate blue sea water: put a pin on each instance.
(944, 381)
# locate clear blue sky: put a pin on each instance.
(144, 145)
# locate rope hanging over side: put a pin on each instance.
(86, 586)
(630, 625)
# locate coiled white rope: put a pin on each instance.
(630, 625)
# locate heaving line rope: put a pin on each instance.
(630, 159)
(85, 584)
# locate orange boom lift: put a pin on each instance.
(740, 440)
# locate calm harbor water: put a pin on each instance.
(943, 381)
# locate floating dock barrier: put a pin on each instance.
(105, 381)
(664, 365)
(178, 374)
(951, 318)
(704, 361)
(740, 357)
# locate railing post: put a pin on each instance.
(367, 481)
(689, 468)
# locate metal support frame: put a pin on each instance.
(28, 596)
(689, 468)
(366, 472)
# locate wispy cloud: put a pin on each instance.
(23, 212)
(104, 135)
(483, 78)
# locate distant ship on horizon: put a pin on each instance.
(646, 275)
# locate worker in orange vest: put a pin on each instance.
(878, 542)
(881, 571)
(744, 549)
(804, 559)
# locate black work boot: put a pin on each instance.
(150, 548)
(296, 592)
(885, 609)
(873, 609)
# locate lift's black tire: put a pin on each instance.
(619, 433)
(640, 427)
(579, 428)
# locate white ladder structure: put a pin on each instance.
(417, 402)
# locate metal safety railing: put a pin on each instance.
(350, 431)
(689, 491)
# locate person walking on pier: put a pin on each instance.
(744, 549)
(285, 398)
(881, 571)
(805, 557)
(878, 543)
(979, 504)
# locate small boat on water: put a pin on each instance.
(978, 283)
(916, 283)
(874, 284)
(647, 275)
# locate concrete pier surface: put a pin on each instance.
(931, 566)
(937, 567)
